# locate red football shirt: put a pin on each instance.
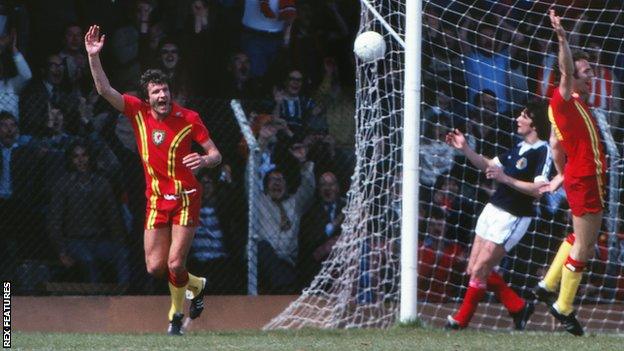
(163, 145)
(578, 132)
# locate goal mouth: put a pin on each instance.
(481, 63)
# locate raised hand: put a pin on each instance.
(456, 139)
(93, 41)
(555, 21)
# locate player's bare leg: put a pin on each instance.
(489, 257)
(156, 243)
(587, 228)
(474, 252)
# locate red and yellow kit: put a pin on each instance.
(578, 133)
(173, 194)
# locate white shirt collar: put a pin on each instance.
(524, 146)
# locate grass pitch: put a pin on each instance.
(307, 340)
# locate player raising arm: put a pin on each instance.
(520, 173)
(581, 164)
(164, 132)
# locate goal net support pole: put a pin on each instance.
(411, 143)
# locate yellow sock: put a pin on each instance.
(570, 282)
(553, 276)
(194, 284)
(177, 299)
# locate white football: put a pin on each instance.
(369, 46)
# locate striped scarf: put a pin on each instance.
(287, 10)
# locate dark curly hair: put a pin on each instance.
(154, 76)
(538, 112)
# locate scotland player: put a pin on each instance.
(520, 173)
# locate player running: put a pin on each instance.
(164, 132)
(520, 172)
(581, 165)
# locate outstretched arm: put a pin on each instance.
(457, 140)
(93, 44)
(566, 64)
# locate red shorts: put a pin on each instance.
(585, 194)
(167, 210)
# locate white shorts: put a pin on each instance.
(501, 227)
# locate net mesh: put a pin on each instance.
(481, 62)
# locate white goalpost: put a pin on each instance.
(411, 145)
(413, 201)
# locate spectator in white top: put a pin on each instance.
(267, 26)
(280, 216)
(14, 72)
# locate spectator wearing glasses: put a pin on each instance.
(291, 105)
(53, 87)
(170, 61)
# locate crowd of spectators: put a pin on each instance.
(71, 184)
